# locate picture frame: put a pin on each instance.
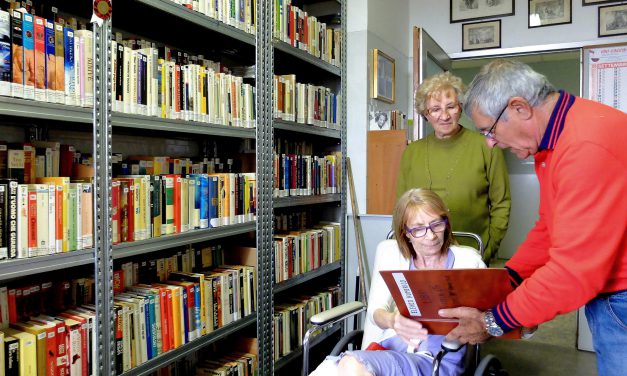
(597, 2)
(612, 20)
(550, 12)
(379, 121)
(467, 10)
(481, 35)
(383, 84)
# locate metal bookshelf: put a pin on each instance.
(174, 9)
(302, 278)
(307, 57)
(139, 247)
(166, 358)
(285, 202)
(287, 359)
(25, 108)
(306, 128)
(10, 269)
(150, 123)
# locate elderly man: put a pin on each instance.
(576, 253)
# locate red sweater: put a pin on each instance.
(578, 247)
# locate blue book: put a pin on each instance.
(28, 38)
(185, 315)
(148, 325)
(197, 307)
(153, 327)
(70, 81)
(50, 76)
(212, 194)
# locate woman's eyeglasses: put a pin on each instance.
(420, 231)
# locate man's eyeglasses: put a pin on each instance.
(438, 112)
(490, 132)
(420, 231)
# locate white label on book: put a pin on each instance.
(408, 296)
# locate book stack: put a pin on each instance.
(297, 252)
(49, 329)
(165, 303)
(291, 318)
(306, 175)
(172, 84)
(305, 103)
(47, 59)
(294, 26)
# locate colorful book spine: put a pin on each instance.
(5, 53)
(69, 66)
(28, 30)
(40, 58)
(17, 55)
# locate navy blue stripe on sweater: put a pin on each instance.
(556, 122)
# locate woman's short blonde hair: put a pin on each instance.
(410, 202)
(434, 86)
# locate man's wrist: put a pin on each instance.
(491, 327)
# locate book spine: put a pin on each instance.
(17, 55)
(69, 66)
(28, 39)
(5, 52)
(40, 58)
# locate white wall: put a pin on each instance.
(372, 24)
(434, 16)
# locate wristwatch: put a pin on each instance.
(491, 326)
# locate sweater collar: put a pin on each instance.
(556, 122)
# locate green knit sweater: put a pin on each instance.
(470, 177)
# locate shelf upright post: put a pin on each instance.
(263, 75)
(343, 138)
(103, 260)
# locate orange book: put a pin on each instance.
(419, 294)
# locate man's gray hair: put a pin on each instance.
(501, 80)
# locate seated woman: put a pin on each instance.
(423, 240)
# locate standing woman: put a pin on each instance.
(457, 164)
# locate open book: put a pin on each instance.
(419, 294)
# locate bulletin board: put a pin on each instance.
(605, 75)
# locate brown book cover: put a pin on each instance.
(419, 294)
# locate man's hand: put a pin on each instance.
(471, 328)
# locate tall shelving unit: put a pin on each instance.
(106, 125)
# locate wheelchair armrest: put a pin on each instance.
(336, 314)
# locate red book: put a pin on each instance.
(128, 190)
(12, 302)
(40, 58)
(116, 224)
(32, 223)
(84, 347)
(62, 366)
(67, 154)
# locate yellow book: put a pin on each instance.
(39, 332)
(27, 352)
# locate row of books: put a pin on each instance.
(52, 217)
(45, 60)
(63, 344)
(155, 318)
(237, 13)
(302, 251)
(306, 175)
(159, 165)
(170, 84)
(27, 161)
(294, 26)
(305, 103)
(48, 329)
(149, 206)
(291, 318)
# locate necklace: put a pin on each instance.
(449, 174)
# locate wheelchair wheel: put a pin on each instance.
(490, 366)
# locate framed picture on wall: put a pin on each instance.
(613, 20)
(550, 12)
(466, 10)
(596, 2)
(481, 35)
(383, 83)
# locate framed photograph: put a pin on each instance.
(613, 20)
(481, 35)
(550, 12)
(379, 121)
(596, 2)
(466, 10)
(383, 77)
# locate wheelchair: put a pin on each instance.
(474, 365)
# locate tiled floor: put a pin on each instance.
(551, 351)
